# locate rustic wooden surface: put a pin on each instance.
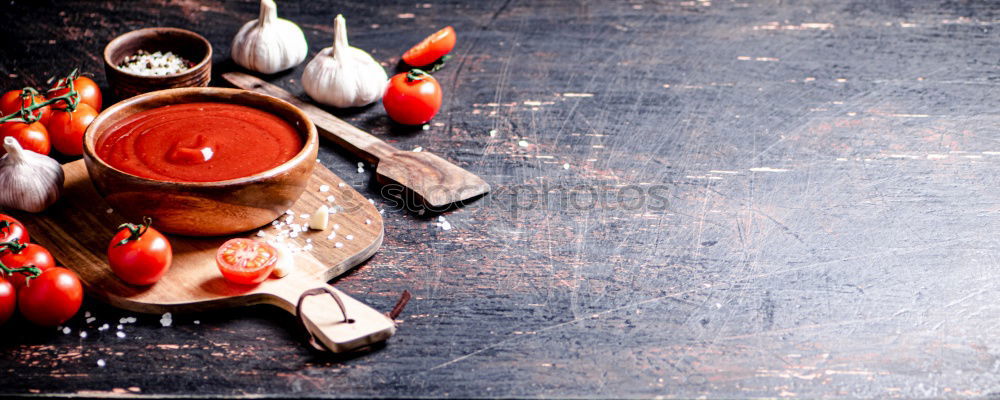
(820, 206)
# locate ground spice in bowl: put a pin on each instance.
(154, 64)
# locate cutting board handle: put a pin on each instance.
(335, 321)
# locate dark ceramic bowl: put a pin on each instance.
(203, 208)
(184, 43)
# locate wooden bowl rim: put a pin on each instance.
(141, 34)
(312, 138)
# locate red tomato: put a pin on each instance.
(88, 90)
(26, 255)
(66, 128)
(412, 98)
(12, 229)
(31, 136)
(245, 261)
(431, 48)
(139, 254)
(52, 298)
(8, 300)
(11, 102)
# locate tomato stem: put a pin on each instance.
(14, 245)
(25, 114)
(416, 74)
(136, 231)
(439, 63)
(29, 271)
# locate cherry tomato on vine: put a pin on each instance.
(431, 48)
(246, 261)
(12, 229)
(139, 254)
(31, 136)
(88, 90)
(66, 128)
(8, 300)
(26, 255)
(52, 298)
(412, 98)
(11, 102)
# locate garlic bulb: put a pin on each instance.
(28, 181)
(344, 76)
(269, 44)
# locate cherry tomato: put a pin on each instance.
(139, 254)
(52, 298)
(8, 300)
(11, 102)
(31, 136)
(25, 255)
(245, 261)
(12, 229)
(66, 128)
(412, 98)
(89, 92)
(432, 48)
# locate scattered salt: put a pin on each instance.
(566, 166)
(289, 212)
(91, 319)
(493, 132)
(426, 127)
(294, 234)
(121, 334)
(304, 216)
(86, 314)
(522, 143)
(341, 184)
(324, 188)
(330, 199)
(83, 334)
(337, 245)
(261, 234)
(120, 327)
(104, 327)
(418, 149)
(101, 363)
(336, 226)
(349, 237)
(197, 322)
(368, 221)
(331, 236)
(131, 320)
(66, 330)
(110, 210)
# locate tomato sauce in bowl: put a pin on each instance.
(199, 142)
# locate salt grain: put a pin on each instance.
(86, 314)
(341, 184)
(349, 237)
(426, 127)
(336, 226)
(110, 210)
(522, 143)
(493, 132)
(304, 216)
(566, 166)
(121, 334)
(120, 327)
(418, 149)
(91, 319)
(66, 330)
(331, 236)
(289, 212)
(83, 335)
(324, 188)
(368, 221)
(101, 363)
(261, 234)
(197, 322)
(337, 245)
(294, 234)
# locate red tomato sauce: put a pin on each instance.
(199, 142)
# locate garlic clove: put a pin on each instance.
(269, 44)
(344, 76)
(28, 181)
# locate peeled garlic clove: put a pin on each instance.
(28, 181)
(320, 219)
(269, 44)
(344, 76)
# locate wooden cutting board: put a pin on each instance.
(77, 231)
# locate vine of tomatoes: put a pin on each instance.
(58, 119)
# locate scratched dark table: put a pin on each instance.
(692, 198)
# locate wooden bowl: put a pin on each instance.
(203, 208)
(184, 43)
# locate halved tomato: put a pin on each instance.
(246, 261)
(432, 48)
